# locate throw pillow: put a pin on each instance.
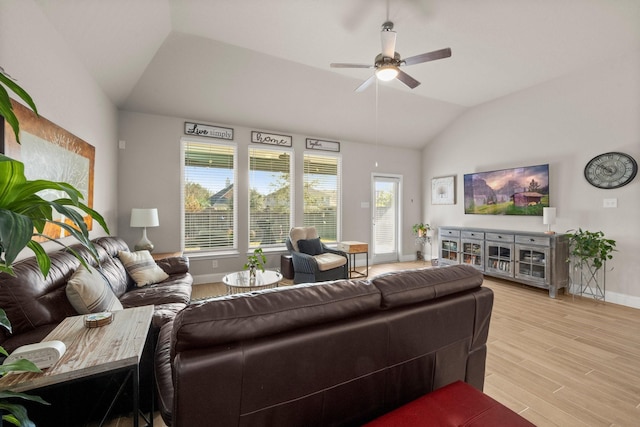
(89, 292)
(311, 247)
(142, 267)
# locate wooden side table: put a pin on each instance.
(90, 352)
(352, 248)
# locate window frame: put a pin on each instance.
(338, 158)
(234, 244)
(291, 217)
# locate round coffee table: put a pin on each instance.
(240, 282)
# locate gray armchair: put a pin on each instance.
(312, 260)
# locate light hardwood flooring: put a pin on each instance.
(567, 361)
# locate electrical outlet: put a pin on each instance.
(609, 203)
(214, 263)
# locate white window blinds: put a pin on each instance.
(270, 196)
(322, 195)
(210, 219)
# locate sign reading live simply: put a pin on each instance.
(271, 138)
(318, 144)
(208, 131)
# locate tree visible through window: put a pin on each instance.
(322, 195)
(270, 196)
(209, 196)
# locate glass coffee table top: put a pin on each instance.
(240, 281)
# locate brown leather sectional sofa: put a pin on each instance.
(35, 305)
(333, 353)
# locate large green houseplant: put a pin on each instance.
(23, 215)
(589, 252)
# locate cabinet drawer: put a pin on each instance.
(499, 237)
(449, 233)
(533, 240)
(473, 234)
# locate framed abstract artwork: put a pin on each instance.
(443, 191)
(52, 153)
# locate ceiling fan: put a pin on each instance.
(387, 64)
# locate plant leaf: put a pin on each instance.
(8, 82)
(6, 111)
(4, 321)
(15, 232)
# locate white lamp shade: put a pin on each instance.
(144, 217)
(548, 216)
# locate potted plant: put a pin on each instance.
(23, 215)
(257, 260)
(420, 229)
(589, 252)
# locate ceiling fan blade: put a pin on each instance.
(407, 79)
(388, 43)
(429, 56)
(366, 83)
(342, 65)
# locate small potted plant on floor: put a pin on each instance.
(255, 261)
(589, 252)
(421, 230)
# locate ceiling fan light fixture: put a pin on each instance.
(386, 72)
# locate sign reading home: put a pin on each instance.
(271, 138)
(318, 144)
(208, 131)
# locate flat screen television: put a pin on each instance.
(516, 191)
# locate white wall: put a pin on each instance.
(564, 123)
(149, 168)
(33, 52)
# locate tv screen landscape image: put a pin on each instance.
(516, 191)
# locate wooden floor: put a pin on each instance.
(558, 362)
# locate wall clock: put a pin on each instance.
(611, 170)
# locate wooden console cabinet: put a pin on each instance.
(535, 259)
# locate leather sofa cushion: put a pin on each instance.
(245, 316)
(163, 373)
(425, 284)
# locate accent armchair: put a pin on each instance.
(312, 260)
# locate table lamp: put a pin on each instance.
(144, 218)
(548, 219)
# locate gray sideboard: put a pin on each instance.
(535, 259)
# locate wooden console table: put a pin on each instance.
(91, 352)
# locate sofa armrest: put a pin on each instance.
(174, 265)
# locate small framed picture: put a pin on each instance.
(443, 191)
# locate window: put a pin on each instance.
(270, 196)
(210, 219)
(322, 195)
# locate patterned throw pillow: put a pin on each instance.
(142, 267)
(89, 292)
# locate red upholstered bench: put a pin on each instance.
(457, 404)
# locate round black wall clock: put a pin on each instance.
(611, 170)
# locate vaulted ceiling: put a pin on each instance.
(265, 64)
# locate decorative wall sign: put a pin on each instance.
(208, 131)
(50, 152)
(318, 144)
(443, 191)
(271, 138)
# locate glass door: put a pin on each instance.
(386, 218)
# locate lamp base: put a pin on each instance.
(144, 244)
(549, 232)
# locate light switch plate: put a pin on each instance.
(609, 203)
